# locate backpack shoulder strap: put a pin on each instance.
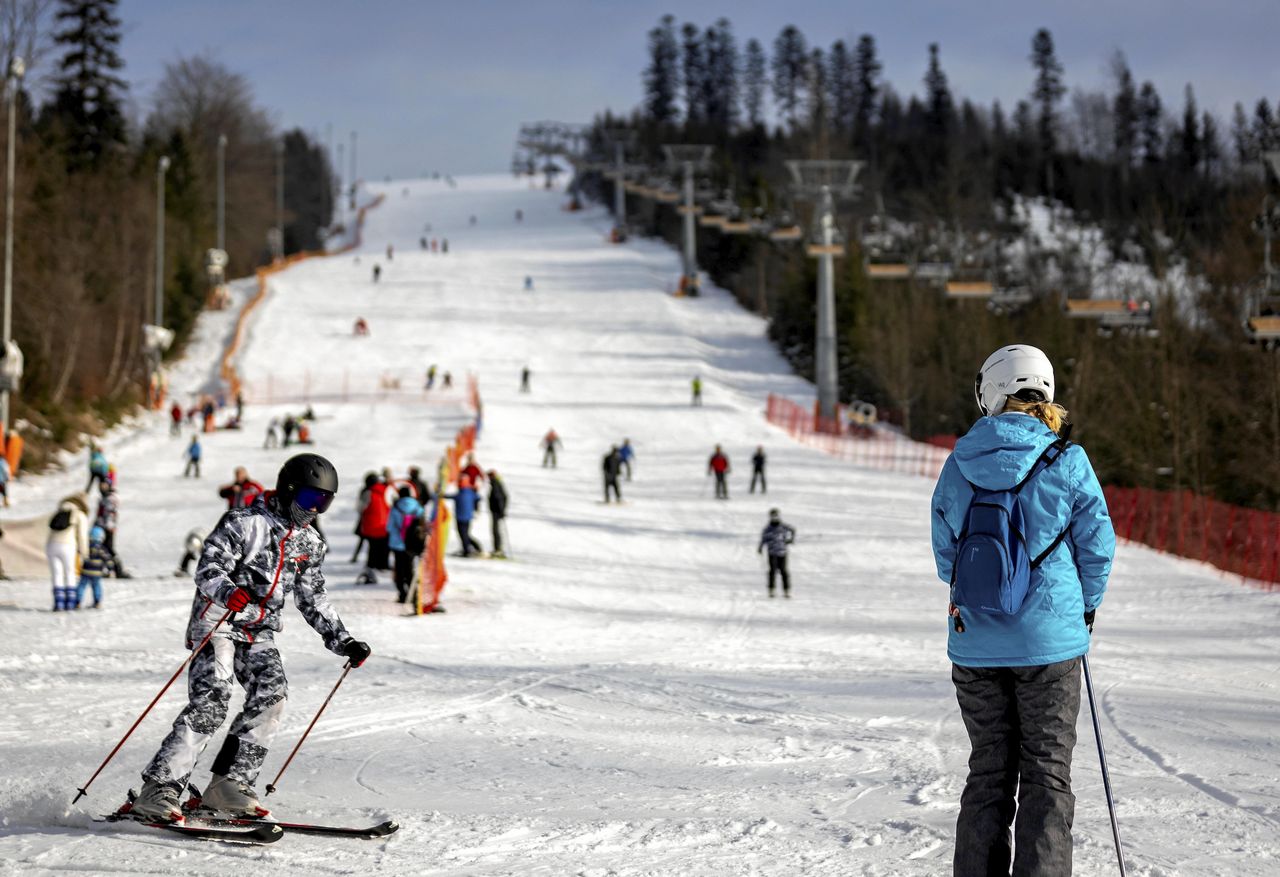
(1050, 456)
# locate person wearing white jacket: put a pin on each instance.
(68, 537)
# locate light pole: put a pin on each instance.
(822, 181)
(688, 157)
(16, 70)
(280, 199)
(162, 167)
(222, 192)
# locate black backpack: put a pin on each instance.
(61, 520)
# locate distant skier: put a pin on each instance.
(175, 419)
(444, 246)
(251, 560)
(472, 470)
(391, 252)
(497, 511)
(377, 272)
(446, 382)
(550, 442)
(776, 537)
(242, 492)
(1017, 673)
(465, 501)
(519, 215)
(696, 386)
(610, 467)
(192, 545)
(68, 537)
(757, 470)
(419, 487)
(718, 466)
(98, 563)
(361, 328)
(193, 453)
(289, 426)
(376, 501)
(528, 283)
(524, 379)
(626, 454)
(405, 515)
(98, 465)
(108, 518)
(272, 439)
(431, 377)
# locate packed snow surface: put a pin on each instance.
(621, 698)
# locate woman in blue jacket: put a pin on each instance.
(1017, 676)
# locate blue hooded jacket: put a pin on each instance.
(406, 508)
(996, 454)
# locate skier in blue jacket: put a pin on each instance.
(1017, 677)
(404, 516)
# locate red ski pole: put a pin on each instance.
(271, 786)
(84, 790)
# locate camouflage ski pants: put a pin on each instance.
(256, 666)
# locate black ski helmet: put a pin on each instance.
(305, 470)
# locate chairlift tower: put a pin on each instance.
(688, 157)
(621, 139)
(823, 181)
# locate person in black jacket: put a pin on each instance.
(497, 510)
(611, 467)
(757, 470)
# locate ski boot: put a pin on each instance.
(226, 795)
(156, 802)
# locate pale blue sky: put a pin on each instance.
(435, 85)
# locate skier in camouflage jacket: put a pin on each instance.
(253, 558)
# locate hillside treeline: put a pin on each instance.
(1195, 406)
(85, 211)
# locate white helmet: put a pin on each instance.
(1008, 372)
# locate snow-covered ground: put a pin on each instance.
(622, 698)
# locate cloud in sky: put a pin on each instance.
(444, 85)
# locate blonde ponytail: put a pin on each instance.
(1051, 414)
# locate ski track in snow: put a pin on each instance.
(621, 699)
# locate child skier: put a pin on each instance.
(776, 537)
(99, 563)
(1015, 640)
(193, 454)
(251, 560)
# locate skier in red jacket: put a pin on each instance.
(718, 466)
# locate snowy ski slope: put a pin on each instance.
(621, 699)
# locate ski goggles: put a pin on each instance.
(314, 499)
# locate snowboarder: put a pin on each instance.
(68, 537)
(626, 454)
(272, 439)
(524, 379)
(696, 386)
(405, 515)
(550, 442)
(718, 466)
(776, 537)
(497, 510)
(98, 563)
(193, 454)
(251, 560)
(610, 467)
(464, 511)
(1017, 676)
(242, 492)
(757, 470)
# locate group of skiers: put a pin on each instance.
(394, 516)
(81, 550)
(290, 430)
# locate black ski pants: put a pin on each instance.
(497, 533)
(469, 545)
(758, 475)
(722, 487)
(612, 484)
(549, 458)
(403, 575)
(1022, 728)
(778, 567)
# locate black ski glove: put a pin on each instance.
(1088, 619)
(356, 652)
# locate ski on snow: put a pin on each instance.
(257, 833)
(368, 832)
